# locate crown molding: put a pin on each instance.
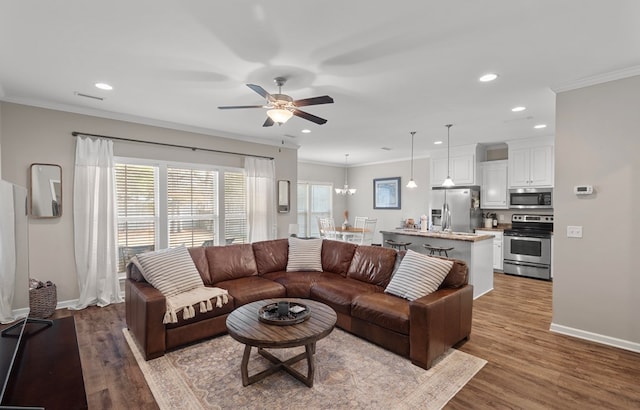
(272, 141)
(597, 79)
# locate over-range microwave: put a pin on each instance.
(531, 198)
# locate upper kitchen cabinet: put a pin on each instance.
(531, 163)
(463, 165)
(494, 185)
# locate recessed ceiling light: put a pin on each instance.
(539, 126)
(305, 131)
(104, 86)
(518, 109)
(488, 77)
(437, 142)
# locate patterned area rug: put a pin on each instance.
(351, 373)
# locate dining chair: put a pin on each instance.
(358, 222)
(328, 228)
(356, 236)
(369, 231)
(366, 236)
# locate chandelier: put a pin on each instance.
(345, 190)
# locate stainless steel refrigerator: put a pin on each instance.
(464, 206)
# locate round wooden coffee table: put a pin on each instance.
(245, 327)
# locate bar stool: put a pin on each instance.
(397, 245)
(433, 249)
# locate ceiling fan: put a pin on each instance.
(282, 107)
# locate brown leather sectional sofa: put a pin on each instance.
(352, 283)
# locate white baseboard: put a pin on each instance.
(483, 293)
(595, 337)
(66, 304)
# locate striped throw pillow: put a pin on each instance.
(418, 275)
(171, 270)
(304, 255)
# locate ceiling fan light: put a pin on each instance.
(279, 115)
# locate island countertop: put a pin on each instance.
(456, 236)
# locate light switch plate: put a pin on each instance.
(574, 231)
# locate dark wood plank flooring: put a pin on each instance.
(529, 367)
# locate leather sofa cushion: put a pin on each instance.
(200, 260)
(372, 264)
(387, 311)
(251, 288)
(336, 256)
(271, 256)
(457, 277)
(340, 293)
(230, 262)
(298, 284)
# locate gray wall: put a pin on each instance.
(415, 202)
(31, 134)
(596, 288)
(311, 172)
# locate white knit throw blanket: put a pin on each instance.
(186, 300)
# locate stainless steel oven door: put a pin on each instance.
(527, 249)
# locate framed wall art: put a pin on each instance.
(386, 193)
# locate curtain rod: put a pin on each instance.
(76, 133)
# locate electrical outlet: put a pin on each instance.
(501, 217)
(574, 231)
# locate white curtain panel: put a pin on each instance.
(7, 252)
(261, 198)
(95, 225)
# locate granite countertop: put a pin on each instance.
(456, 236)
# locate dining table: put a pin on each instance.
(347, 233)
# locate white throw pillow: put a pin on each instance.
(304, 255)
(418, 275)
(171, 270)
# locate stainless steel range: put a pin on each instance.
(527, 246)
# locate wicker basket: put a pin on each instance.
(43, 301)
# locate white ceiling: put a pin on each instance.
(391, 67)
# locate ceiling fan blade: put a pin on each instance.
(268, 123)
(325, 99)
(233, 107)
(261, 91)
(309, 117)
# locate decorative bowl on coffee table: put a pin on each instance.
(297, 313)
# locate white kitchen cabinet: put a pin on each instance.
(463, 166)
(498, 256)
(530, 164)
(494, 185)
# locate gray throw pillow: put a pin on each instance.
(418, 275)
(304, 255)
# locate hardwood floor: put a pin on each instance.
(528, 366)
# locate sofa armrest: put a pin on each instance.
(439, 321)
(145, 307)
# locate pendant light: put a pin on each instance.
(345, 190)
(412, 183)
(448, 183)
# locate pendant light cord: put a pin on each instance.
(412, 134)
(448, 149)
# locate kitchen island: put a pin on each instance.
(475, 249)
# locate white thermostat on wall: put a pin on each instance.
(583, 189)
